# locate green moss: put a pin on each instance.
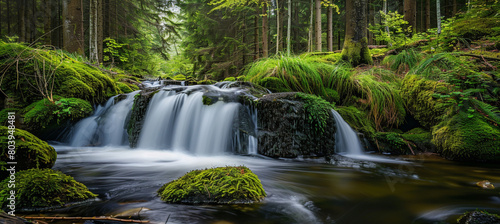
(43, 115)
(475, 28)
(357, 119)
(317, 111)
(4, 115)
(124, 87)
(356, 52)
(468, 137)
(222, 185)
(179, 78)
(40, 188)
(207, 100)
(230, 79)
(418, 94)
(31, 152)
(390, 142)
(420, 138)
(273, 84)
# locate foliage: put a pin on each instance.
(398, 29)
(179, 78)
(31, 152)
(44, 116)
(390, 142)
(317, 111)
(40, 188)
(222, 185)
(112, 51)
(404, 61)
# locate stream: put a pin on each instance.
(425, 190)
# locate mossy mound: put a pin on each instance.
(44, 116)
(64, 76)
(478, 217)
(418, 94)
(126, 87)
(468, 137)
(179, 78)
(411, 142)
(42, 188)
(222, 185)
(31, 152)
(475, 28)
(230, 79)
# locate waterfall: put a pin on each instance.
(106, 127)
(346, 139)
(180, 121)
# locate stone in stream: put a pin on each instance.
(478, 217)
(485, 184)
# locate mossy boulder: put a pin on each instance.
(222, 185)
(294, 124)
(478, 217)
(42, 188)
(43, 117)
(418, 94)
(31, 152)
(468, 137)
(65, 76)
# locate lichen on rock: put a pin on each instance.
(222, 185)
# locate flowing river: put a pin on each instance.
(181, 134)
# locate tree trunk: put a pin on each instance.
(289, 29)
(371, 21)
(311, 27)
(355, 43)
(329, 31)
(277, 27)
(265, 46)
(93, 52)
(427, 14)
(106, 18)
(410, 14)
(8, 18)
(256, 37)
(100, 31)
(47, 26)
(454, 7)
(282, 24)
(318, 26)
(72, 20)
(438, 16)
(387, 27)
(22, 21)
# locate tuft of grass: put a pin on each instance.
(404, 61)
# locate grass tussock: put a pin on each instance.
(372, 90)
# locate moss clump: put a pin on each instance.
(222, 185)
(357, 119)
(207, 100)
(31, 152)
(41, 188)
(317, 111)
(356, 52)
(45, 116)
(475, 28)
(418, 94)
(468, 137)
(5, 113)
(274, 84)
(179, 78)
(126, 88)
(421, 138)
(230, 79)
(390, 142)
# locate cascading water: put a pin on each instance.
(346, 140)
(107, 126)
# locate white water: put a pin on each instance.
(107, 127)
(182, 122)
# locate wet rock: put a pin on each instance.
(287, 129)
(478, 217)
(137, 117)
(9, 219)
(134, 213)
(485, 184)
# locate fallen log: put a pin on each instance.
(87, 218)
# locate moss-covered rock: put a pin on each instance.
(293, 124)
(42, 188)
(43, 116)
(31, 152)
(126, 87)
(230, 79)
(468, 137)
(478, 217)
(222, 185)
(179, 78)
(420, 138)
(138, 114)
(418, 94)
(393, 143)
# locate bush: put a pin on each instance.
(222, 185)
(41, 188)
